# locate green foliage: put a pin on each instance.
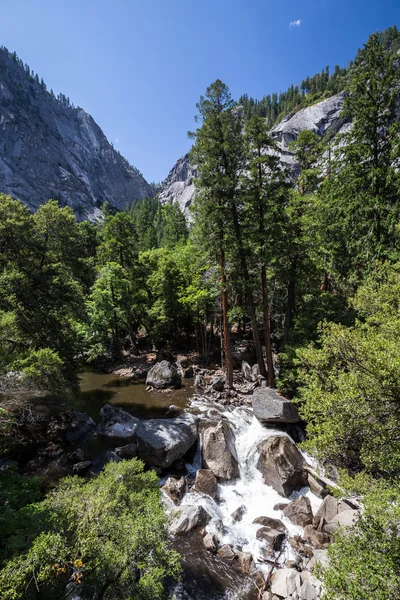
(351, 383)
(365, 562)
(105, 536)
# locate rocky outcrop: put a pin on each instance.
(164, 375)
(179, 186)
(269, 407)
(219, 451)
(281, 464)
(48, 149)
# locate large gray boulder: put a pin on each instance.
(219, 451)
(206, 483)
(116, 422)
(281, 464)
(164, 375)
(269, 407)
(161, 442)
(189, 518)
(343, 520)
(285, 582)
(80, 426)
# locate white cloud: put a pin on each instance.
(295, 23)
(116, 140)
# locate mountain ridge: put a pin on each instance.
(51, 149)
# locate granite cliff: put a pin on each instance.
(50, 149)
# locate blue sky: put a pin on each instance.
(139, 66)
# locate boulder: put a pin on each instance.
(328, 509)
(299, 512)
(80, 426)
(270, 522)
(128, 451)
(348, 504)
(300, 546)
(206, 483)
(280, 506)
(247, 372)
(319, 556)
(210, 542)
(164, 375)
(238, 514)
(217, 383)
(226, 552)
(219, 451)
(269, 407)
(245, 562)
(345, 519)
(308, 592)
(285, 582)
(175, 488)
(76, 456)
(116, 422)
(317, 539)
(274, 537)
(281, 464)
(161, 442)
(189, 518)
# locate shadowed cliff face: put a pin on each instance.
(320, 118)
(51, 150)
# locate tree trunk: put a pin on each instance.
(249, 293)
(227, 336)
(267, 332)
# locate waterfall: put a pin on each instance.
(248, 490)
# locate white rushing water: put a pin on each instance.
(249, 490)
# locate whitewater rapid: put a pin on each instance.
(248, 490)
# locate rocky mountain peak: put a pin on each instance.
(50, 149)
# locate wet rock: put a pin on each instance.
(80, 426)
(161, 442)
(270, 522)
(269, 407)
(245, 562)
(206, 483)
(80, 467)
(164, 375)
(116, 422)
(281, 505)
(285, 582)
(317, 539)
(238, 514)
(226, 552)
(200, 382)
(274, 537)
(299, 512)
(210, 542)
(175, 488)
(219, 451)
(128, 451)
(217, 383)
(345, 520)
(281, 464)
(328, 509)
(189, 518)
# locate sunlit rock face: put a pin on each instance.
(49, 149)
(322, 117)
